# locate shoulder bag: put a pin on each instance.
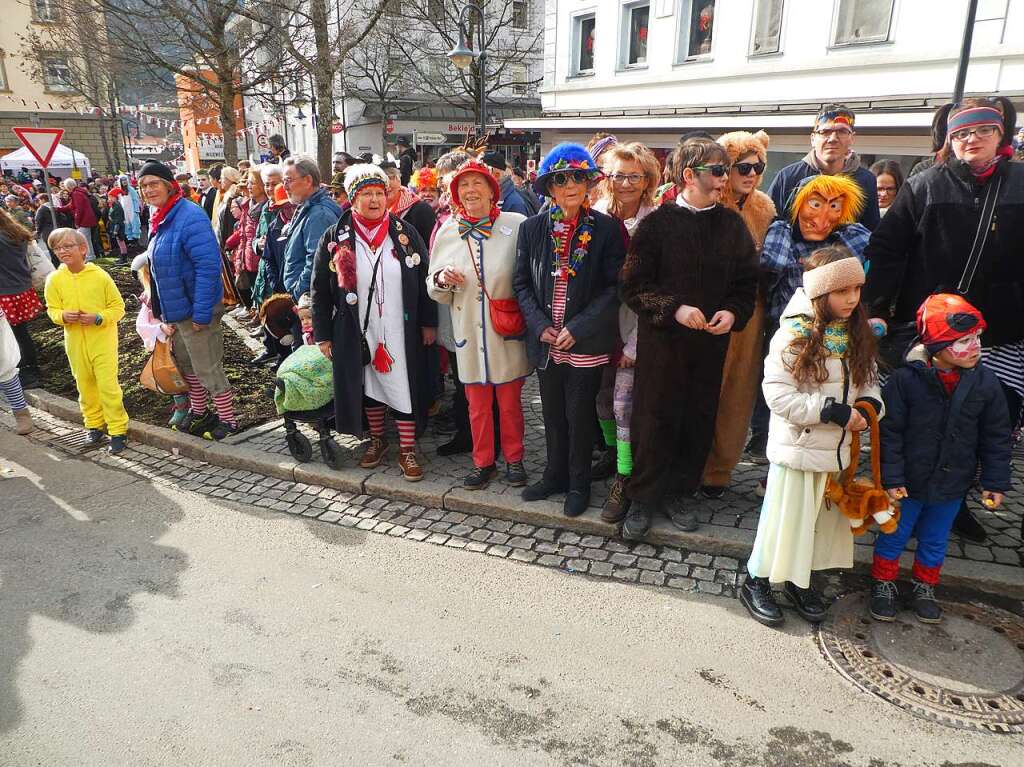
(506, 316)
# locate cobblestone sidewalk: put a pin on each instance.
(736, 512)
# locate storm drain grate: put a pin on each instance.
(966, 672)
(75, 443)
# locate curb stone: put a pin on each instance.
(1007, 580)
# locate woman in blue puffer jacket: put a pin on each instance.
(188, 292)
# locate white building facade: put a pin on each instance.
(652, 70)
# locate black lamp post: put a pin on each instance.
(965, 51)
(462, 56)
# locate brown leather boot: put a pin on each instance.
(616, 506)
(23, 422)
(375, 453)
(410, 464)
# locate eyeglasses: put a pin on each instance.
(563, 177)
(622, 178)
(66, 246)
(982, 131)
(717, 170)
(745, 168)
(827, 133)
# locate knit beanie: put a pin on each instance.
(361, 176)
(837, 275)
(158, 169)
(944, 318)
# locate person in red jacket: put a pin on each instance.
(81, 211)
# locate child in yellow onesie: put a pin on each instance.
(83, 299)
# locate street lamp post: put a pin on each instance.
(462, 56)
(965, 51)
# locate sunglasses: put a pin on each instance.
(717, 170)
(745, 168)
(563, 177)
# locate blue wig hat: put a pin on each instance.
(563, 157)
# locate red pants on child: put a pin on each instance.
(481, 421)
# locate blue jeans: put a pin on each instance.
(929, 523)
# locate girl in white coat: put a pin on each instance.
(820, 366)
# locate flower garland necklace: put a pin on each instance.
(560, 232)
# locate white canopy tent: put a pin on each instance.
(64, 159)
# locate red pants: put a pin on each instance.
(481, 421)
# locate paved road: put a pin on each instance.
(144, 625)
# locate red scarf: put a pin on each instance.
(373, 233)
(985, 173)
(158, 217)
(404, 200)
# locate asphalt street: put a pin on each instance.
(144, 625)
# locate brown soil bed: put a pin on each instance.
(252, 403)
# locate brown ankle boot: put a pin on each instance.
(617, 504)
(410, 464)
(375, 453)
(23, 422)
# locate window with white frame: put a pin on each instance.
(862, 21)
(636, 19)
(583, 27)
(520, 79)
(696, 29)
(520, 14)
(44, 10)
(57, 73)
(767, 27)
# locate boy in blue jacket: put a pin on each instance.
(944, 414)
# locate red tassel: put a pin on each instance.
(382, 359)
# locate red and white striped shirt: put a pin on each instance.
(558, 309)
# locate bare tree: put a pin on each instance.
(431, 30)
(90, 78)
(318, 36)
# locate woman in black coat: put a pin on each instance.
(369, 287)
(567, 268)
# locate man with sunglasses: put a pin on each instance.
(831, 154)
(691, 276)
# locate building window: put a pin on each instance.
(520, 79)
(57, 73)
(44, 10)
(696, 28)
(520, 14)
(767, 27)
(862, 21)
(633, 46)
(583, 45)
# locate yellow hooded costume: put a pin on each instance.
(91, 349)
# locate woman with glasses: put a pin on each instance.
(741, 375)
(958, 227)
(691, 277)
(888, 180)
(631, 178)
(567, 266)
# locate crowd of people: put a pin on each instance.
(676, 318)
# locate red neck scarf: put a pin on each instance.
(985, 173)
(158, 217)
(373, 233)
(404, 200)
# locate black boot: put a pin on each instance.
(967, 525)
(756, 595)
(460, 443)
(884, 598)
(807, 602)
(605, 466)
(926, 608)
(638, 522)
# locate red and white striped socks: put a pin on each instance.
(197, 398)
(406, 434)
(224, 404)
(375, 417)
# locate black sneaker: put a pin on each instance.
(220, 430)
(540, 490)
(713, 492)
(118, 444)
(884, 598)
(756, 595)
(757, 447)
(515, 474)
(461, 443)
(479, 478)
(576, 502)
(807, 602)
(926, 608)
(196, 424)
(94, 436)
(638, 522)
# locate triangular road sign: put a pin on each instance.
(41, 142)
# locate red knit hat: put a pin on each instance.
(944, 318)
(473, 166)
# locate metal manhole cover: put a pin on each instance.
(74, 443)
(967, 671)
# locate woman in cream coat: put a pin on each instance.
(478, 242)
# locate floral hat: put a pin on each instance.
(565, 157)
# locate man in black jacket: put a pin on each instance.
(567, 294)
(207, 192)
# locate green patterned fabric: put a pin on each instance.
(308, 381)
(837, 334)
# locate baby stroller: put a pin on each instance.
(303, 389)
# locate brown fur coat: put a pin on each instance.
(758, 210)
